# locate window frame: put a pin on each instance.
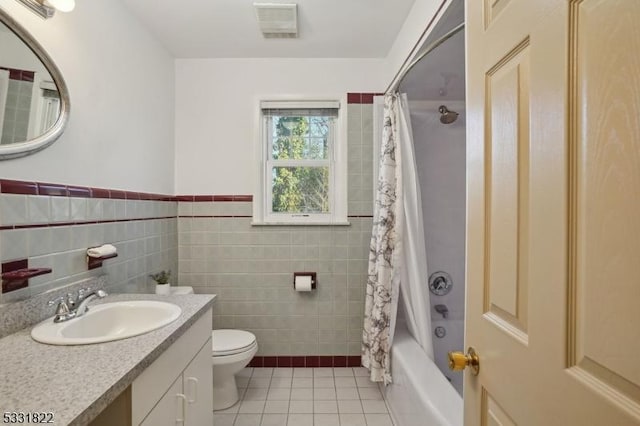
(262, 200)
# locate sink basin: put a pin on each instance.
(108, 322)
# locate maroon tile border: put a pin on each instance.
(18, 187)
(354, 98)
(308, 361)
(361, 98)
(339, 361)
(8, 186)
(209, 198)
(284, 361)
(270, 361)
(17, 74)
(80, 222)
(52, 189)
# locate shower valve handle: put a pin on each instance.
(458, 361)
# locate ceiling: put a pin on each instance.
(229, 29)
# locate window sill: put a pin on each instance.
(300, 223)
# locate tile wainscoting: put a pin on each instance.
(52, 225)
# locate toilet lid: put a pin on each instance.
(229, 342)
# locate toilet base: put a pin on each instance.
(225, 393)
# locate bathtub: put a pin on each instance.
(420, 394)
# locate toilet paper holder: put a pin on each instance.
(305, 274)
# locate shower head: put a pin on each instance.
(447, 116)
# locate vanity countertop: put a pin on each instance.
(76, 383)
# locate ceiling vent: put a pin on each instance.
(277, 20)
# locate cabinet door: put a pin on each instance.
(198, 388)
(170, 410)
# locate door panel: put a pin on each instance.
(506, 189)
(492, 413)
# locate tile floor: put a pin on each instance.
(306, 397)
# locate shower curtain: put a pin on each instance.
(397, 254)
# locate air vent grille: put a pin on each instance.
(277, 20)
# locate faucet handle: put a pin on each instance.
(71, 300)
(58, 299)
(62, 308)
(82, 292)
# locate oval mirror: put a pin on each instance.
(34, 100)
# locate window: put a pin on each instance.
(302, 180)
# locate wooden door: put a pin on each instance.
(553, 198)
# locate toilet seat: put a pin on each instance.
(231, 342)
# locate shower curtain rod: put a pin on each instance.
(402, 74)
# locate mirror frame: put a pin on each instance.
(21, 149)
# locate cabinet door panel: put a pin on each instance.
(198, 388)
(170, 409)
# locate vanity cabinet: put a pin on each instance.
(177, 388)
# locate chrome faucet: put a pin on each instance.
(82, 307)
(67, 308)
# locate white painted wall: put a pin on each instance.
(16, 54)
(121, 81)
(216, 104)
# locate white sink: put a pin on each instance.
(107, 322)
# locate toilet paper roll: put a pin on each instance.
(303, 283)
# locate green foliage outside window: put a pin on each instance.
(300, 189)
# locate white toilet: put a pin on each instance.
(232, 351)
